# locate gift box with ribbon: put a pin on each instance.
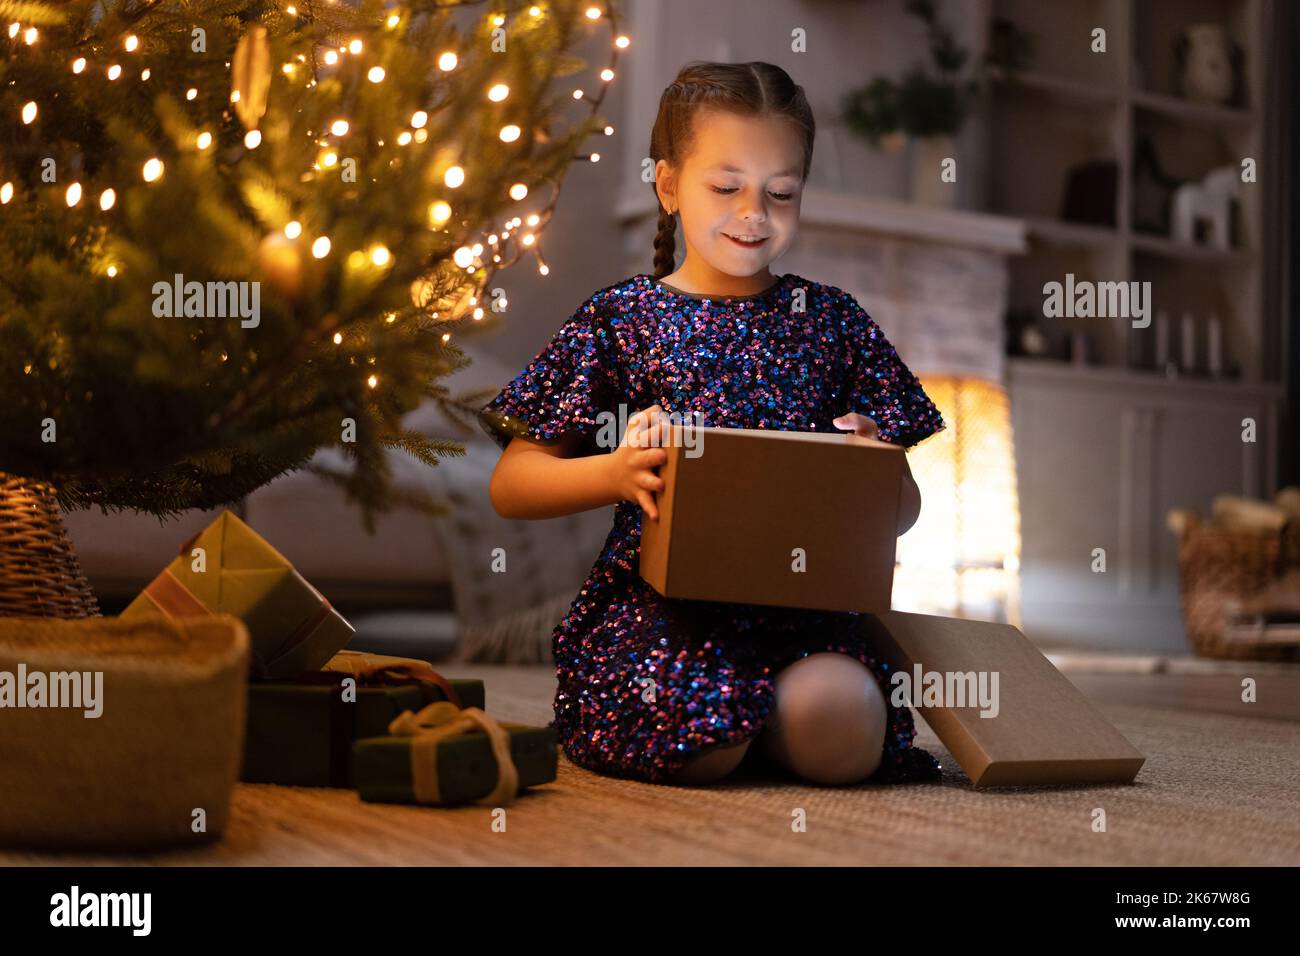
(229, 569)
(301, 731)
(446, 755)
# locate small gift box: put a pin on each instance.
(300, 732)
(228, 568)
(445, 755)
(119, 734)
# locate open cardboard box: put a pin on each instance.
(729, 523)
(792, 519)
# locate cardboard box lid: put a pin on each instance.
(1045, 730)
(731, 517)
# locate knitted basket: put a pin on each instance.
(144, 755)
(1218, 569)
(39, 572)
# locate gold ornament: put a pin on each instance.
(281, 264)
(250, 76)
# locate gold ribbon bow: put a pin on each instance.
(443, 719)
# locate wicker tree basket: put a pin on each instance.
(39, 572)
(1219, 569)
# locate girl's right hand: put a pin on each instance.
(632, 463)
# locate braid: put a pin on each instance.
(665, 244)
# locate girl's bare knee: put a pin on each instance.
(828, 725)
(711, 764)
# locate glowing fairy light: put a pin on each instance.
(146, 73)
(593, 13)
(112, 271)
(106, 199)
(293, 229)
(518, 191)
(321, 247)
(534, 11)
(372, 381)
(114, 72)
(339, 127)
(78, 64)
(498, 92)
(594, 157)
(6, 193)
(29, 112)
(380, 255)
(609, 131)
(30, 36)
(329, 159)
(253, 139)
(462, 257)
(607, 74)
(338, 338)
(529, 239)
(73, 195)
(476, 250)
(152, 170)
(439, 212)
(577, 94)
(287, 69)
(404, 138)
(234, 96)
(203, 140)
(447, 62)
(331, 57)
(191, 93)
(534, 219)
(393, 21)
(376, 74)
(623, 42)
(418, 119)
(421, 135)
(454, 177)
(354, 47)
(498, 20)
(509, 133)
(13, 29)
(131, 43)
(544, 269)
(478, 313)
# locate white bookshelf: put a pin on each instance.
(1072, 105)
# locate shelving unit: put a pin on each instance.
(1072, 106)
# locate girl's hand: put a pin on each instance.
(632, 463)
(860, 424)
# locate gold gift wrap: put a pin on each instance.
(120, 734)
(229, 569)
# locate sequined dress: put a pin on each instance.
(644, 681)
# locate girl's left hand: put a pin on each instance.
(860, 424)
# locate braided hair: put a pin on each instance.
(751, 89)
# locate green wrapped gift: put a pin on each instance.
(229, 569)
(446, 755)
(300, 732)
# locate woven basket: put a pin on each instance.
(39, 572)
(1218, 568)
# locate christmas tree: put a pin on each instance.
(234, 233)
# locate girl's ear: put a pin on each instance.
(666, 185)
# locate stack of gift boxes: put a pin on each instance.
(319, 715)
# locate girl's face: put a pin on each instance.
(737, 193)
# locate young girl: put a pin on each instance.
(671, 691)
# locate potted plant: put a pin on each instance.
(925, 110)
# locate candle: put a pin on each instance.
(1215, 358)
(1187, 342)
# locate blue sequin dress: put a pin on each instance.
(644, 681)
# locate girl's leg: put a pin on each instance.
(711, 764)
(829, 722)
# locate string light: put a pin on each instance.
(73, 195)
(146, 73)
(593, 13)
(376, 74)
(595, 157)
(393, 21)
(354, 47)
(529, 239)
(609, 131)
(439, 212)
(544, 269)
(253, 139)
(6, 193)
(498, 20)
(454, 177)
(535, 11)
(607, 74)
(78, 64)
(577, 94)
(447, 62)
(203, 140)
(623, 42)
(30, 36)
(518, 191)
(131, 43)
(114, 72)
(331, 57)
(462, 257)
(338, 338)
(339, 127)
(106, 199)
(13, 29)
(112, 271)
(373, 381)
(534, 219)
(293, 229)
(29, 112)
(380, 255)
(191, 93)
(321, 247)
(498, 92)
(152, 170)
(509, 133)
(418, 119)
